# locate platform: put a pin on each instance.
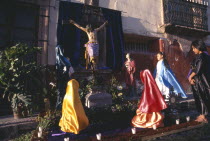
(10, 128)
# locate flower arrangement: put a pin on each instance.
(115, 88)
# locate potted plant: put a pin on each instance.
(17, 66)
(20, 105)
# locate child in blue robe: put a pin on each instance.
(166, 79)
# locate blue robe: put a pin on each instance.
(61, 61)
(167, 77)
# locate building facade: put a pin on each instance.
(148, 26)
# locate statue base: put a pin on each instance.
(98, 99)
(97, 96)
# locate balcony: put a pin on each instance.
(185, 17)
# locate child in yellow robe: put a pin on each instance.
(73, 118)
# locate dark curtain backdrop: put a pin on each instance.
(69, 37)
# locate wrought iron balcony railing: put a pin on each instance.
(186, 14)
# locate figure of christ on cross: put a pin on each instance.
(92, 46)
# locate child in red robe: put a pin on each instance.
(151, 103)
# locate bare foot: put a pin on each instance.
(202, 119)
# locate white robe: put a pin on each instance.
(163, 89)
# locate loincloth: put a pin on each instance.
(92, 48)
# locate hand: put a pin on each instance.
(189, 79)
(192, 81)
(71, 21)
(106, 22)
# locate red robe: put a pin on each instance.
(130, 69)
(150, 105)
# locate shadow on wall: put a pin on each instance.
(179, 63)
(134, 25)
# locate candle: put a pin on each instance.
(40, 129)
(66, 139)
(98, 136)
(154, 127)
(133, 130)
(188, 118)
(39, 134)
(177, 121)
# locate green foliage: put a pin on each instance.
(124, 107)
(91, 84)
(25, 137)
(50, 120)
(116, 90)
(94, 83)
(23, 80)
(84, 89)
(17, 66)
(45, 82)
(20, 103)
(52, 94)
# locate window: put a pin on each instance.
(18, 23)
(136, 46)
(140, 44)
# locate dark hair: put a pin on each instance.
(199, 44)
(164, 59)
(89, 27)
(131, 57)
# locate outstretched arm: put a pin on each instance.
(77, 25)
(102, 26)
(191, 80)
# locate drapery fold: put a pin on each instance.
(150, 105)
(73, 118)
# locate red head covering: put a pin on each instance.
(151, 99)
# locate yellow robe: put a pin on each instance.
(73, 117)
